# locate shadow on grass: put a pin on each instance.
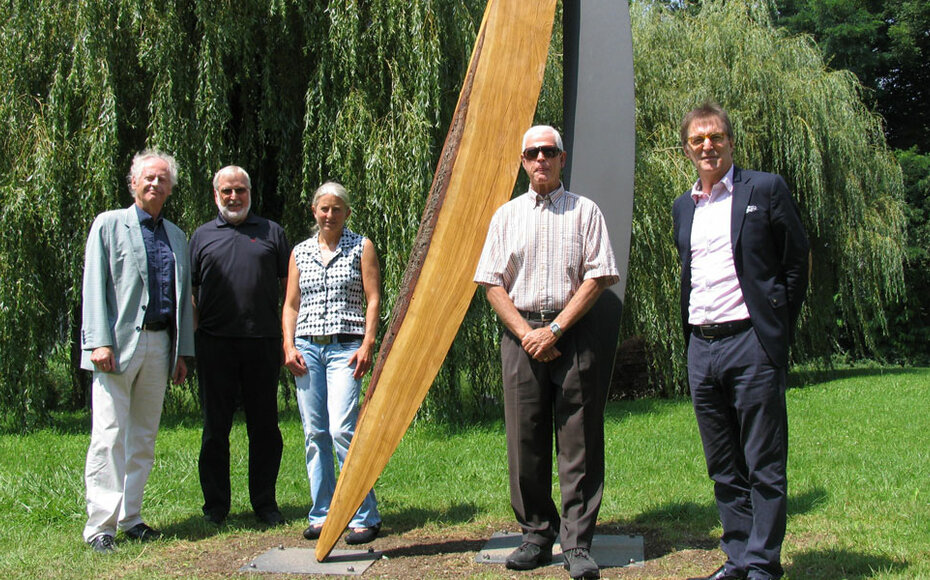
(72, 423)
(194, 527)
(807, 502)
(415, 517)
(398, 522)
(616, 411)
(78, 422)
(411, 518)
(829, 564)
(688, 525)
(800, 378)
(439, 547)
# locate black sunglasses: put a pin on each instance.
(548, 152)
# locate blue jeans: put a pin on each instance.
(327, 397)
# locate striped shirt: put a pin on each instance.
(332, 297)
(540, 250)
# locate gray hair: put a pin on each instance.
(332, 188)
(555, 134)
(141, 157)
(232, 169)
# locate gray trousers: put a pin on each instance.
(561, 397)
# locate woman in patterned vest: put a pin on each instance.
(329, 321)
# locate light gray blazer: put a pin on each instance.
(116, 289)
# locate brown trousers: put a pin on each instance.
(562, 396)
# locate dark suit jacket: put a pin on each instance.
(770, 253)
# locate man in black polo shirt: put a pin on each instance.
(238, 262)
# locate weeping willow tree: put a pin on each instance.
(361, 91)
(791, 116)
(296, 92)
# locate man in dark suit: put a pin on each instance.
(744, 272)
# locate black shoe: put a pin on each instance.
(271, 517)
(363, 535)
(313, 531)
(214, 518)
(580, 564)
(721, 573)
(529, 556)
(143, 533)
(104, 544)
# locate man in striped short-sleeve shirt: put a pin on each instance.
(546, 260)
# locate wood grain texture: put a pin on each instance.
(476, 172)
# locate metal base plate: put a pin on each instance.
(607, 551)
(303, 561)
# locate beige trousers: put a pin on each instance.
(126, 412)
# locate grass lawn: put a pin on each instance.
(859, 482)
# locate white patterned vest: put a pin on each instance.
(332, 298)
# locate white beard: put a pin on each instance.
(235, 217)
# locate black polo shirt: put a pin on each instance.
(235, 273)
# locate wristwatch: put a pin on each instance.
(556, 329)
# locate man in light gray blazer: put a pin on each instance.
(137, 328)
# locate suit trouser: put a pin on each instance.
(234, 371)
(561, 396)
(739, 402)
(126, 411)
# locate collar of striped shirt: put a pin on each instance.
(553, 198)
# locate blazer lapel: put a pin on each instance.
(741, 193)
(687, 221)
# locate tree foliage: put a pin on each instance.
(296, 92)
(909, 320)
(361, 91)
(886, 44)
(791, 116)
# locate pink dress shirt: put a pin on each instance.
(716, 295)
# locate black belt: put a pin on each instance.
(331, 338)
(155, 326)
(721, 329)
(541, 316)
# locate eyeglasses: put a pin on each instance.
(548, 152)
(715, 139)
(231, 190)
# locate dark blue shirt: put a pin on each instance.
(161, 268)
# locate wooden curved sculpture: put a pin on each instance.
(475, 175)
